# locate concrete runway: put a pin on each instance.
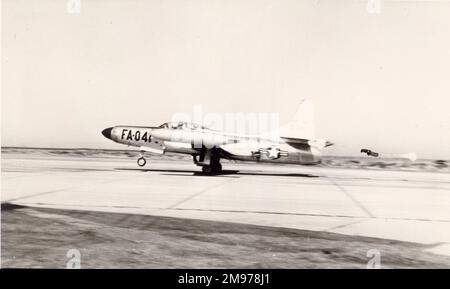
(405, 206)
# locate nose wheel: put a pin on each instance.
(141, 161)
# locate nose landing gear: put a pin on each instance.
(141, 160)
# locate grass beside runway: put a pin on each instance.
(38, 237)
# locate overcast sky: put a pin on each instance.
(380, 81)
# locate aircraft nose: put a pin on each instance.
(107, 132)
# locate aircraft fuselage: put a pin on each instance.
(194, 142)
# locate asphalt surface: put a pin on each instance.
(396, 205)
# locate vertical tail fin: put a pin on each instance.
(302, 124)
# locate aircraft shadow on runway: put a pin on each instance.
(223, 173)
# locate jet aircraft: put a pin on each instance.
(294, 142)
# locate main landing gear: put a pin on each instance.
(209, 161)
(141, 160)
(212, 169)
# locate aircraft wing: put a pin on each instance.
(151, 150)
(299, 141)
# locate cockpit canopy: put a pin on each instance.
(181, 125)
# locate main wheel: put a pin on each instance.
(217, 168)
(212, 169)
(207, 170)
(141, 162)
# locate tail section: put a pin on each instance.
(302, 124)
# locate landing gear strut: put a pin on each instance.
(141, 160)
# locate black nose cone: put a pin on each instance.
(107, 132)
